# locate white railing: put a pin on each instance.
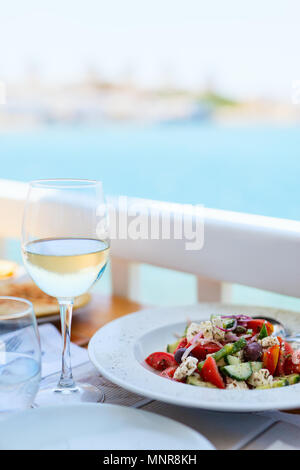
(251, 250)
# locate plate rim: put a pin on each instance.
(156, 395)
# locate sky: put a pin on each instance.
(244, 48)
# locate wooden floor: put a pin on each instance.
(101, 310)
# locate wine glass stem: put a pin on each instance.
(66, 379)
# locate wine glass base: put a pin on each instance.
(81, 393)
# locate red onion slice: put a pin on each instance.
(231, 337)
(254, 338)
(196, 337)
(244, 317)
(188, 351)
(238, 317)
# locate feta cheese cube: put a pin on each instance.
(217, 323)
(207, 329)
(261, 378)
(186, 368)
(268, 342)
(232, 384)
(193, 330)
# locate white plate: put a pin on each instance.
(118, 351)
(94, 427)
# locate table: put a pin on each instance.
(101, 310)
(246, 431)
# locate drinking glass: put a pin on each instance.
(65, 246)
(20, 354)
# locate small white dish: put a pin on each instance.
(118, 351)
(95, 427)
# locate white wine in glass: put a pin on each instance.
(65, 249)
(66, 267)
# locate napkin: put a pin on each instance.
(51, 344)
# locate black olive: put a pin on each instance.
(252, 351)
(178, 355)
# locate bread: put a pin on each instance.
(7, 269)
(43, 304)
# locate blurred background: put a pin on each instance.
(192, 102)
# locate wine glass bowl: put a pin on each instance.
(65, 247)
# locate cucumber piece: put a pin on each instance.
(232, 360)
(292, 379)
(194, 380)
(256, 366)
(228, 349)
(282, 382)
(263, 332)
(238, 372)
(171, 347)
(276, 384)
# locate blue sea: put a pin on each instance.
(252, 169)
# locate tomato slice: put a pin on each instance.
(279, 372)
(290, 366)
(201, 350)
(210, 373)
(182, 344)
(169, 372)
(270, 358)
(256, 325)
(161, 360)
(285, 353)
(288, 349)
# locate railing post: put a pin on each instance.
(209, 290)
(125, 278)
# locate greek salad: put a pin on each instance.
(229, 352)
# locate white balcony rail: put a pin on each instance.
(251, 250)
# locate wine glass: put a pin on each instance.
(20, 354)
(65, 246)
